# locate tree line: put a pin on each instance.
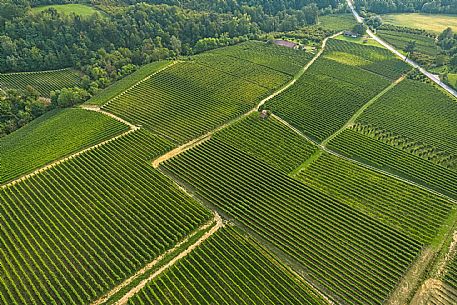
(407, 6)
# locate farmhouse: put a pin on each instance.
(350, 34)
(285, 43)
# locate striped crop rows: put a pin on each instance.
(391, 158)
(43, 82)
(226, 269)
(268, 140)
(419, 112)
(353, 257)
(187, 100)
(53, 136)
(72, 232)
(415, 212)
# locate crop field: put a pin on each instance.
(52, 136)
(189, 99)
(450, 277)
(227, 269)
(421, 113)
(428, 22)
(337, 22)
(424, 44)
(268, 140)
(410, 210)
(71, 233)
(389, 157)
(278, 58)
(125, 83)
(78, 9)
(335, 87)
(44, 82)
(352, 256)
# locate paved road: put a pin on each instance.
(431, 76)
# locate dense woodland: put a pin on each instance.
(407, 6)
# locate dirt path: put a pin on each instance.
(219, 224)
(216, 222)
(175, 152)
(362, 110)
(99, 110)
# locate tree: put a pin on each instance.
(410, 48)
(374, 22)
(176, 45)
(360, 29)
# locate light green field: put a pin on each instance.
(433, 23)
(361, 40)
(78, 9)
(452, 79)
(338, 22)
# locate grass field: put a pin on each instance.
(125, 83)
(226, 268)
(52, 136)
(338, 22)
(43, 82)
(75, 231)
(429, 22)
(365, 40)
(78, 9)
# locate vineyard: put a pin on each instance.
(125, 83)
(71, 233)
(43, 82)
(227, 269)
(450, 278)
(421, 113)
(52, 136)
(268, 140)
(399, 39)
(410, 210)
(338, 247)
(390, 157)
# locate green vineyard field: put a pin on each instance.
(53, 136)
(73, 232)
(424, 44)
(44, 82)
(369, 150)
(268, 140)
(125, 83)
(421, 113)
(349, 255)
(226, 269)
(410, 210)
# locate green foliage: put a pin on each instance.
(400, 39)
(52, 136)
(330, 92)
(193, 97)
(72, 8)
(268, 140)
(122, 85)
(390, 155)
(43, 82)
(68, 97)
(337, 22)
(420, 112)
(408, 209)
(226, 268)
(73, 232)
(356, 258)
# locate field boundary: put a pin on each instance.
(218, 224)
(132, 128)
(177, 151)
(361, 110)
(38, 72)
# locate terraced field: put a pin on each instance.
(74, 231)
(227, 269)
(338, 248)
(410, 210)
(419, 115)
(53, 136)
(125, 83)
(43, 82)
(268, 140)
(387, 156)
